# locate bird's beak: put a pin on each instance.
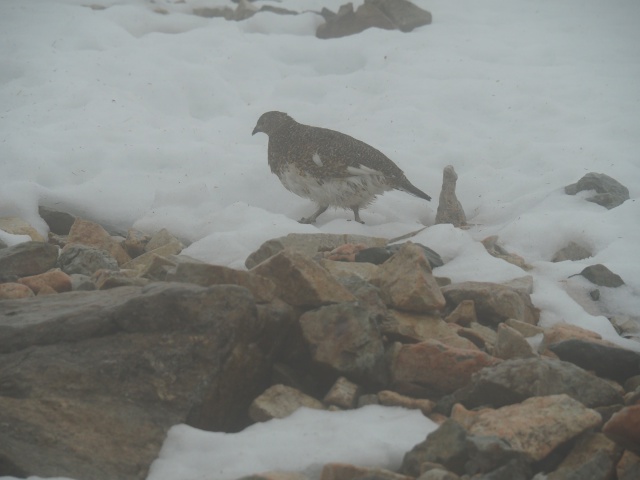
(255, 130)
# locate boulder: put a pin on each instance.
(91, 234)
(628, 467)
(609, 192)
(90, 382)
(445, 446)
(300, 281)
(406, 281)
(280, 401)
(344, 339)
(624, 428)
(55, 279)
(513, 381)
(534, 427)
(58, 222)
(436, 366)
(12, 290)
(593, 457)
(494, 303)
(28, 258)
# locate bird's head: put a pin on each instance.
(270, 122)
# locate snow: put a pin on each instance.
(129, 117)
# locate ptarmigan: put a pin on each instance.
(329, 167)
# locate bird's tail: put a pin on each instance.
(409, 188)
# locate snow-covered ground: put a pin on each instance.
(131, 117)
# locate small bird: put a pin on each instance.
(329, 167)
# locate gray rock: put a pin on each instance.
(81, 282)
(594, 457)
(494, 455)
(345, 339)
(103, 375)
(85, 260)
(447, 446)
(606, 361)
(28, 258)
(513, 381)
(601, 275)
(449, 207)
(516, 469)
(379, 255)
(511, 344)
(59, 222)
(609, 192)
(573, 252)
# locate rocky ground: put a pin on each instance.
(107, 341)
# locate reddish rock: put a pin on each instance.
(535, 427)
(436, 365)
(14, 290)
(394, 399)
(624, 428)
(628, 467)
(593, 456)
(464, 314)
(343, 394)
(302, 282)
(564, 331)
(57, 280)
(93, 235)
(406, 281)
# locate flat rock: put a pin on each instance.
(513, 381)
(434, 365)
(302, 282)
(309, 245)
(28, 258)
(280, 401)
(494, 303)
(94, 235)
(534, 427)
(406, 282)
(55, 279)
(606, 361)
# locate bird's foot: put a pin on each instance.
(307, 220)
(356, 214)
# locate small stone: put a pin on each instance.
(593, 457)
(609, 192)
(276, 476)
(526, 329)
(344, 471)
(162, 238)
(394, 399)
(57, 280)
(449, 207)
(59, 222)
(464, 314)
(85, 260)
(93, 235)
(46, 290)
(573, 252)
(511, 344)
(135, 242)
(142, 262)
(369, 399)
(280, 401)
(628, 467)
(495, 250)
(438, 474)
(445, 446)
(81, 282)
(28, 258)
(106, 279)
(343, 394)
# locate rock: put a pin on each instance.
(308, 245)
(606, 361)
(522, 285)
(91, 234)
(511, 344)
(81, 283)
(12, 290)
(59, 222)
(525, 329)
(624, 428)
(343, 471)
(28, 258)
(437, 366)
(494, 456)
(609, 192)
(17, 226)
(280, 401)
(107, 279)
(628, 467)
(534, 427)
(85, 260)
(142, 262)
(438, 474)
(135, 242)
(449, 207)
(516, 469)
(463, 314)
(565, 331)
(379, 255)
(406, 282)
(103, 375)
(162, 238)
(593, 457)
(495, 250)
(276, 476)
(445, 446)
(412, 328)
(204, 274)
(513, 381)
(601, 275)
(393, 399)
(300, 281)
(482, 337)
(56, 279)
(341, 270)
(343, 394)
(573, 252)
(344, 339)
(627, 326)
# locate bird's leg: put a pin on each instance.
(314, 217)
(356, 213)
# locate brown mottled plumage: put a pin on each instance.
(329, 167)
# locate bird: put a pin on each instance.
(328, 167)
